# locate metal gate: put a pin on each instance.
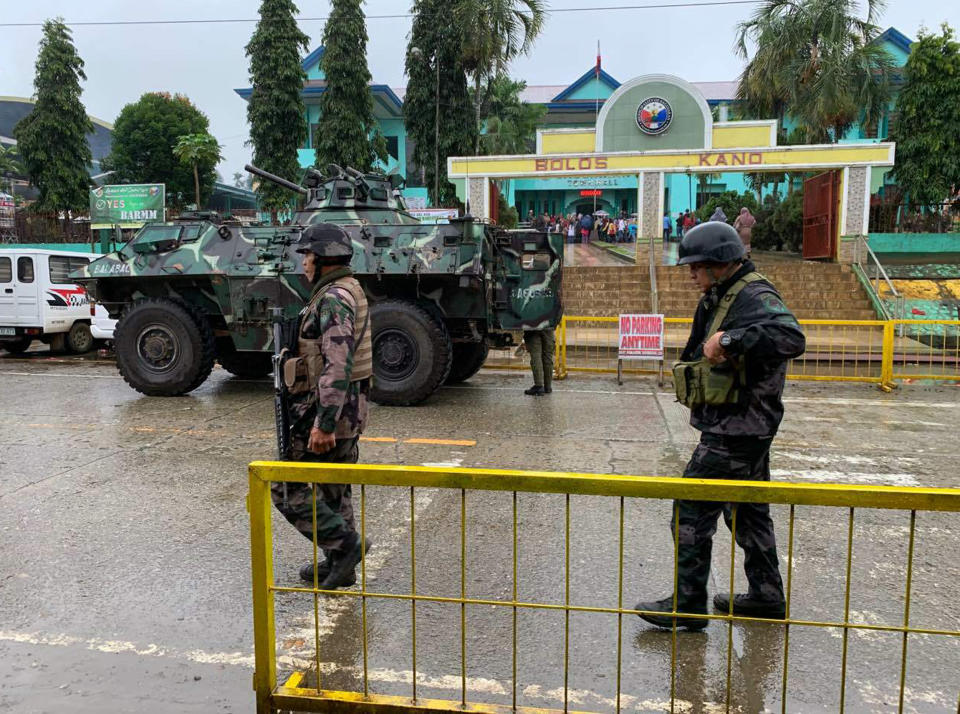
(820, 199)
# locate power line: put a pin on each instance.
(404, 16)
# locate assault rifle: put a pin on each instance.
(281, 411)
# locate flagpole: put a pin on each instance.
(596, 119)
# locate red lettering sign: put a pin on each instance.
(641, 337)
(591, 192)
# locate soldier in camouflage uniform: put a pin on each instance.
(328, 383)
(756, 335)
(540, 344)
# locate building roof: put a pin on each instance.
(13, 109)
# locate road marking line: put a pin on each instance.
(384, 439)
(442, 442)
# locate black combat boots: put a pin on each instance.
(535, 391)
(344, 563)
(323, 570)
(667, 620)
(749, 606)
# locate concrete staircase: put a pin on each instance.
(810, 289)
(602, 291)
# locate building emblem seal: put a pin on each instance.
(654, 115)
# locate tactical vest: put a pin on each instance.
(699, 382)
(302, 373)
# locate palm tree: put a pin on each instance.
(817, 61)
(197, 150)
(9, 164)
(495, 32)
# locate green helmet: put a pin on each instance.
(327, 241)
(711, 242)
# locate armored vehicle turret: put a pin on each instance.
(198, 290)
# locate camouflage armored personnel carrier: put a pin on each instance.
(197, 289)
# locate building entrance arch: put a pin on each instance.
(655, 128)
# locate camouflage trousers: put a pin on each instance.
(744, 458)
(540, 344)
(334, 500)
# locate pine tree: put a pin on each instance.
(52, 138)
(278, 127)
(348, 133)
(433, 42)
(927, 128)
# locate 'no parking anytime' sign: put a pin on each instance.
(641, 337)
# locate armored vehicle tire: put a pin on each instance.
(17, 347)
(411, 353)
(79, 339)
(247, 365)
(164, 347)
(468, 358)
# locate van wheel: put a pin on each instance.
(17, 347)
(468, 358)
(164, 347)
(411, 353)
(79, 339)
(246, 365)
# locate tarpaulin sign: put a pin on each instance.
(641, 337)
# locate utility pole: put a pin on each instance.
(436, 132)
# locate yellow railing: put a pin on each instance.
(303, 691)
(876, 351)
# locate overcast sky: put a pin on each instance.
(206, 61)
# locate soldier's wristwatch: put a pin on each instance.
(725, 340)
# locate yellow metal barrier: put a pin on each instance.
(925, 349)
(299, 694)
(837, 350)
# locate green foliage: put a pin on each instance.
(495, 32)
(437, 45)
(144, 135)
(507, 216)
(9, 164)
(52, 138)
(201, 153)
(817, 61)
(927, 130)
(779, 223)
(275, 110)
(348, 133)
(510, 124)
(731, 202)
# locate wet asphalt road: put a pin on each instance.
(124, 572)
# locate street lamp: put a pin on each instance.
(435, 58)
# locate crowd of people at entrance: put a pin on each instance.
(587, 227)
(687, 220)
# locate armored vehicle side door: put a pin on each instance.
(527, 280)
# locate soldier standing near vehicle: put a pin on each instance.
(540, 344)
(731, 376)
(328, 382)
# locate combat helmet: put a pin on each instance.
(711, 242)
(328, 241)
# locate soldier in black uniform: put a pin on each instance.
(742, 336)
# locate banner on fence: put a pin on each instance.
(641, 337)
(126, 205)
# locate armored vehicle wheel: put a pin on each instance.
(79, 339)
(17, 347)
(411, 353)
(247, 365)
(164, 348)
(468, 358)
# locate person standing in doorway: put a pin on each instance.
(667, 227)
(679, 225)
(731, 377)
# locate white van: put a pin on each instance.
(39, 302)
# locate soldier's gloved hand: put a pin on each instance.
(712, 349)
(320, 442)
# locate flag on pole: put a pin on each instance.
(598, 59)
